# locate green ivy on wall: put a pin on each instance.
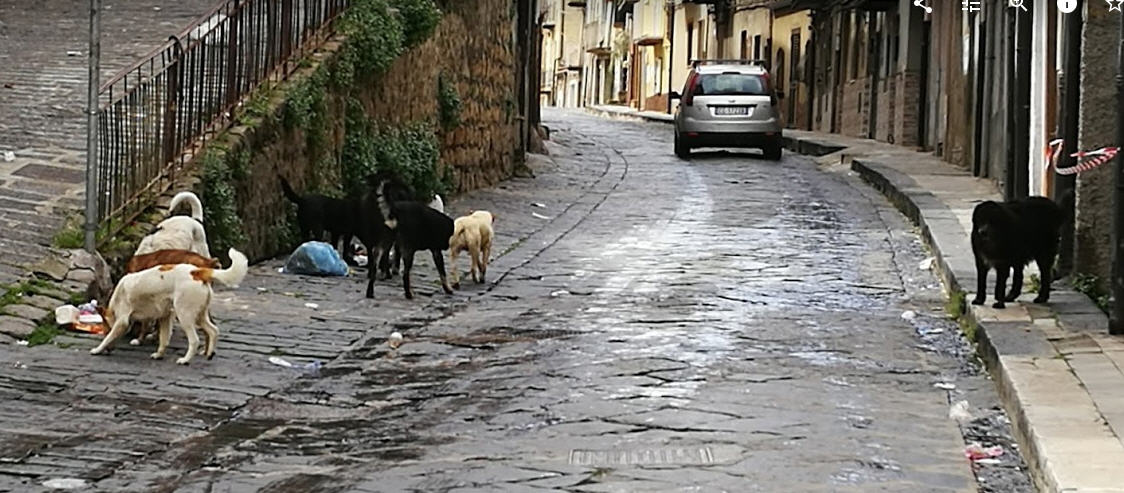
(222, 222)
(448, 104)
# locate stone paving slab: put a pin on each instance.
(43, 72)
(1066, 397)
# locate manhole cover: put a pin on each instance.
(670, 455)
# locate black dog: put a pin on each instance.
(317, 214)
(416, 227)
(1008, 236)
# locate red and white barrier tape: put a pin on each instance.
(1087, 160)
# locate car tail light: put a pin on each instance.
(689, 89)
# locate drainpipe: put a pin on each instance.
(874, 58)
(810, 77)
(1012, 101)
(91, 225)
(671, 52)
(1022, 114)
(1065, 186)
(1116, 320)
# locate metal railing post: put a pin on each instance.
(1116, 318)
(92, 218)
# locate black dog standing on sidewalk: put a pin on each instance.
(1008, 236)
(416, 227)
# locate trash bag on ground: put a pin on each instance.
(316, 258)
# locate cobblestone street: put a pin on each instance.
(650, 324)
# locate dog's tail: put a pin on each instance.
(288, 191)
(231, 277)
(385, 205)
(193, 200)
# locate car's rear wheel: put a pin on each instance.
(682, 150)
(773, 151)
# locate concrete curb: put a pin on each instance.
(1018, 357)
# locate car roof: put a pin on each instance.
(721, 69)
(718, 67)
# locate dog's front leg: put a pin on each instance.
(164, 333)
(440, 263)
(118, 329)
(981, 281)
(1016, 284)
(1001, 273)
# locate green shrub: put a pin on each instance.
(448, 103)
(419, 19)
(374, 39)
(410, 152)
(223, 224)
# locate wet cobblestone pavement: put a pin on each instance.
(723, 324)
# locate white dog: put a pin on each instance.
(179, 232)
(157, 294)
(473, 233)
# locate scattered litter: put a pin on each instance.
(316, 258)
(394, 340)
(83, 318)
(539, 204)
(22, 342)
(945, 386)
(65, 483)
(926, 264)
(975, 451)
(540, 216)
(281, 270)
(560, 292)
(19, 365)
(311, 368)
(73, 53)
(156, 9)
(960, 412)
(262, 290)
(990, 462)
(311, 305)
(9, 156)
(909, 314)
(361, 260)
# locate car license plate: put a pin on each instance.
(731, 110)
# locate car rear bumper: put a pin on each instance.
(730, 139)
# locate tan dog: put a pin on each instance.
(156, 294)
(164, 257)
(178, 232)
(473, 233)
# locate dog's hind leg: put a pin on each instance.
(407, 266)
(1046, 269)
(211, 331)
(163, 334)
(485, 256)
(440, 263)
(1016, 284)
(1001, 273)
(456, 275)
(474, 257)
(981, 281)
(187, 322)
(142, 332)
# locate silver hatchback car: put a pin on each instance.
(727, 103)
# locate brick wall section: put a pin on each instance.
(907, 95)
(854, 112)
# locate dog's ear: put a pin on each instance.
(494, 216)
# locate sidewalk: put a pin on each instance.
(1060, 375)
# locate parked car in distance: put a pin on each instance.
(727, 103)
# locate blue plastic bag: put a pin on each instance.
(316, 258)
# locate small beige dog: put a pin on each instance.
(158, 293)
(179, 232)
(473, 233)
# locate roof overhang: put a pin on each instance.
(649, 41)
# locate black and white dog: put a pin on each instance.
(416, 226)
(1007, 236)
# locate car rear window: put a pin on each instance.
(731, 84)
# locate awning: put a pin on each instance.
(649, 41)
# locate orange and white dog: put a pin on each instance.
(158, 293)
(473, 233)
(179, 232)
